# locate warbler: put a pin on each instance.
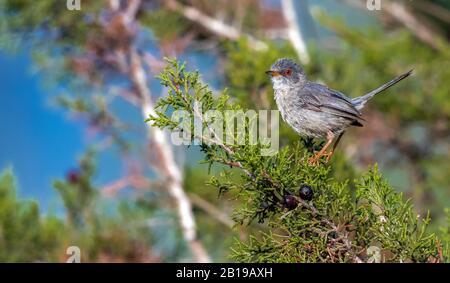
(315, 110)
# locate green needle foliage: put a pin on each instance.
(24, 235)
(113, 234)
(365, 222)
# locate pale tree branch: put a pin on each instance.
(133, 178)
(294, 32)
(404, 16)
(214, 25)
(434, 10)
(167, 161)
(211, 210)
(166, 165)
(114, 5)
(399, 12)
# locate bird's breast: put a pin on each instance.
(304, 121)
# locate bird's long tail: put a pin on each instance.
(359, 102)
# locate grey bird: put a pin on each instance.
(314, 110)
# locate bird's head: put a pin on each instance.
(285, 73)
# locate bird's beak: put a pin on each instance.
(273, 73)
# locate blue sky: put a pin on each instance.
(37, 141)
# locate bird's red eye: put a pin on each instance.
(287, 72)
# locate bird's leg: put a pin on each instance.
(330, 154)
(315, 158)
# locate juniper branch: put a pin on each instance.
(181, 84)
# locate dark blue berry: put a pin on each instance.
(306, 192)
(289, 202)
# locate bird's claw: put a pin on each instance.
(329, 155)
(314, 160)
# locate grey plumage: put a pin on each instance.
(359, 102)
(313, 109)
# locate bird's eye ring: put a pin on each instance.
(287, 72)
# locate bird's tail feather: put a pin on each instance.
(359, 102)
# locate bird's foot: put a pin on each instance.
(328, 155)
(314, 160)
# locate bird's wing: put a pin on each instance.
(322, 98)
